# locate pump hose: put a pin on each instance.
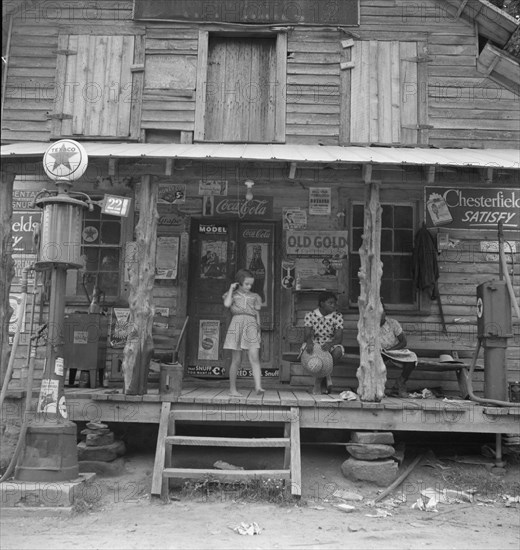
(472, 396)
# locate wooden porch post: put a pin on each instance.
(6, 264)
(139, 345)
(371, 373)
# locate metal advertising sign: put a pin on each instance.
(333, 244)
(472, 207)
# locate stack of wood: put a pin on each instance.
(100, 452)
(371, 458)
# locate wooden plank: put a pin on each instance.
(61, 77)
(82, 77)
(345, 96)
(201, 89)
(281, 83)
(127, 92)
(158, 485)
(137, 89)
(374, 91)
(296, 468)
(95, 90)
(384, 115)
(223, 475)
(408, 86)
(228, 441)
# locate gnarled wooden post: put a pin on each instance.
(139, 345)
(371, 373)
(6, 265)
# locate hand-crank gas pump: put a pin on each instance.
(50, 452)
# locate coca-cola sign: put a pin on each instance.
(256, 233)
(259, 207)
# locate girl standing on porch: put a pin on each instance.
(244, 330)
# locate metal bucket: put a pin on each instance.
(170, 382)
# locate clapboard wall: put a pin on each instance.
(455, 104)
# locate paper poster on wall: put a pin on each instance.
(317, 272)
(320, 201)
(120, 327)
(294, 218)
(213, 187)
(160, 318)
(171, 193)
(438, 210)
(166, 257)
(209, 338)
(213, 259)
(15, 301)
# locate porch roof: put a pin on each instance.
(469, 158)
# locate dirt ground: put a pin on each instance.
(117, 512)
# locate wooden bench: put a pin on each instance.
(350, 362)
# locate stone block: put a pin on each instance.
(87, 431)
(383, 438)
(51, 494)
(105, 453)
(98, 440)
(369, 452)
(379, 472)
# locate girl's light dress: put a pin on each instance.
(243, 331)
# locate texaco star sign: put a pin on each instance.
(65, 160)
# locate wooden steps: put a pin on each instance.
(167, 440)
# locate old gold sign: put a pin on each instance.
(317, 243)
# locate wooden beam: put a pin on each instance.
(430, 178)
(372, 371)
(186, 137)
(347, 65)
(461, 8)
(112, 166)
(6, 265)
(168, 168)
(139, 345)
(348, 43)
(367, 173)
(292, 170)
(489, 175)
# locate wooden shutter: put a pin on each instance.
(387, 88)
(242, 98)
(95, 88)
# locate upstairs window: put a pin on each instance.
(240, 88)
(397, 233)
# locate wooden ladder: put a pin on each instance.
(166, 440)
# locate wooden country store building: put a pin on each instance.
(254, 134)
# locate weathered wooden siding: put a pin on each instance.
(459, 106)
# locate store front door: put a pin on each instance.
(218, 249)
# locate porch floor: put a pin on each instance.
(201, 403)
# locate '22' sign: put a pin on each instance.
(116, 206)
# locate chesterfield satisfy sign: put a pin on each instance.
(295, 12)
(472, 208)
(259, 207)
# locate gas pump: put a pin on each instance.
(494, 327)
(50, 452)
